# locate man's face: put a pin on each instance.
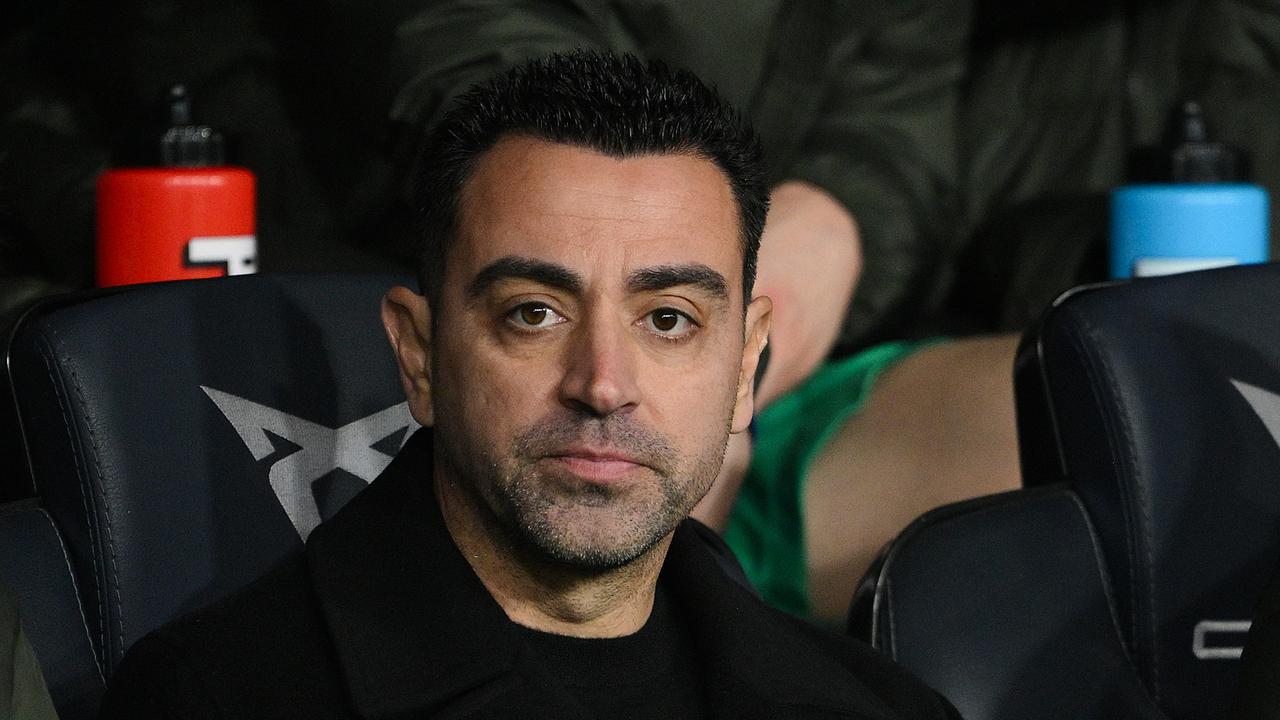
(587, 350)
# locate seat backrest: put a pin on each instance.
(1158, 401)
(1003, 605)
(36, 569)
(186, 436)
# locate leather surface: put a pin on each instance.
(36, 568)
(1137, 390)
(156, 418)
(1003, 606)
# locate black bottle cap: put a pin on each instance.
(1188, 154)
(186, 144)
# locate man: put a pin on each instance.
(582, 350)
(856, 104)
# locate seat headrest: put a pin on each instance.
(187, 435)
(1000, 603)
(1159, 401)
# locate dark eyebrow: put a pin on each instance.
(538, 271)
(668, 276)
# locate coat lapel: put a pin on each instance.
(414, 628)
(759, 663)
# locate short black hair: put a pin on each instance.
(617, 105)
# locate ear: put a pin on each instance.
(759, 315)
(407, 320)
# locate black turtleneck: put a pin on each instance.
(651, 673)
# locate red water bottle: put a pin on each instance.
(191, 218)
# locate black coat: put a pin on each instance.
(382, 617)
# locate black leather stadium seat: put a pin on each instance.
(1002, 604)
(183, 437)
(1149, 415)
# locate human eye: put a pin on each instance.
(534, 316)
(669, 323)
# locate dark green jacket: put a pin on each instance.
(855, 97)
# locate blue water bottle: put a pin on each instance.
(1196, 213)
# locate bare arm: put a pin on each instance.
(810, 260)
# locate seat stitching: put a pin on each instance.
(47, 354)
(1140, 554)
(75, 585)
(1101, 564)
(1125, 506)
(106, 510)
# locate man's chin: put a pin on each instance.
(594, 537)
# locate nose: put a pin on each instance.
(599, 369)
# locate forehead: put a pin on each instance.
(595, 213)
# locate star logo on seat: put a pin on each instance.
(322, 449)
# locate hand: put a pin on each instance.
(810, 259)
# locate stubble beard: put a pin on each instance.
(585, 526)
